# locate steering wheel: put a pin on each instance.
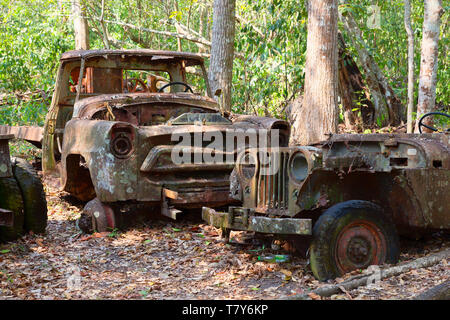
(176, 83)
(132, 85)
(421, 124)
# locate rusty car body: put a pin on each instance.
(6, 215)
(23, 207)
(108, 133)
(353, 194)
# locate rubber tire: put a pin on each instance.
(333, 220)
(11, 199)
(32, 190)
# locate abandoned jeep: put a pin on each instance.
(109, 134)
(354, 194)
(23, 207)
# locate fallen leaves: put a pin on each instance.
(162, 260)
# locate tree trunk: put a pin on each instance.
(80, 26)
(222, 50)
(429, 59)
(367, 277)
(175, 5)
(352, 89)
(410, 34)
(439, 292)
(104, 28)
(318, 115)
(388, 108)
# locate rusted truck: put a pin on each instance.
(23, 207)
(110, 128)
(353, 195)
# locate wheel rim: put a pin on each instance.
(359, 245)
(103, 218)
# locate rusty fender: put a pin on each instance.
(113, 178)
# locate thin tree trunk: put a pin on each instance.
(319, 111)
(104, 29)
(429, 59)
(410, 33)
(80, 26)
(222, 50)
(175, 4)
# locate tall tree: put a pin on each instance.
(352, 90)
(80, 26)
(388, 108)
(410, 34)
(429, 58)
(220, 72)
(318, 114)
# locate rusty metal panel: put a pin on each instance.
(5, 160)
(29, 133)
(6, 218)
(432, 190)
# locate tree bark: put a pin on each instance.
(318, 115)
(410, 33)
(104, 28)
(439, 292)
(352, 89)
(363, 280)
(222, 50)
(388, 108)
(175, 5)
(429, 59)
(80, 26)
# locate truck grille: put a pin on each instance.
(273, 189)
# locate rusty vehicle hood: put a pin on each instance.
(85, 108)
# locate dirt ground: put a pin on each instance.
(175, 260)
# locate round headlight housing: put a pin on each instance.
(121, 145)
(247, 165)
(299, 167)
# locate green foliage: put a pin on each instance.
(389, 44)
(33, 37)
(270, 36)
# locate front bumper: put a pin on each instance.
(243, 219)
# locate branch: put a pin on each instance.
(355, 282)
(105, 30)
(439, 292)
(244, 21)
(163, 33)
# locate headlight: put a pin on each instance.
(247, 165)
(121, 145)
(298, 167)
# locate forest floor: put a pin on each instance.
(175, 260)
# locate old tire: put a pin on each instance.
(11, 199)
(32, 190)
(352, 235)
